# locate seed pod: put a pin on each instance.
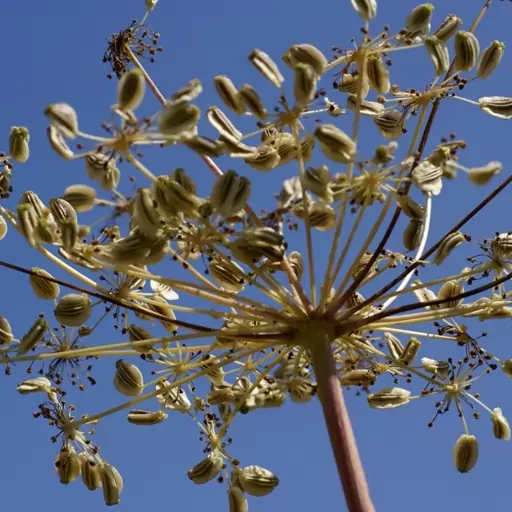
(128, 379)
(389, 398)
(221, 123)
(335, 144)
(37, 385)
(58, 143)
(130, 91)
(18, 144)
(419, 18)
(64, 118)
(305, 84)
(73, 309)
(178, 119)
(413, 234)
(266, 158)
(204, 145)
(34, 335)
(465, 453)
(228, 94)
(395, 346)
(91, 472)
(366, 108)
(448, 28)
(490, 59)
(5, 332)
(410, 208)
(230, 193)
(81, 197)
(112, 484)
(378, 75)
(411, 350)
(255, 243)
(367, 9)
(42, 288)
(207, 469)
(482, 175)
(360, 377)
(137, 333)
(449, 243)
(188, 93)
(390, 123)
(67, 465)
(467, 49)
(438, 53)
(427, 177)
(237, 500)
(173, 398)
(500, 425)
(307, 54)
(267, 67)
(451, 289)
(257, 481)
(228, 274)
(140, 417)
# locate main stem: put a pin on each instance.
(341, 435)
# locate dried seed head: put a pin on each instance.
(390, 123)
(112, 484)
(427, 177)
(140, 417)
(366, 108)
(367, 9)
(228, 94)
(73, 310)
(419, 18)
(207, 469)
(130, 91)
(451, 289)
(267, 67)
(230, 193)
(438, 53)
(237, 500)
(67, 465)
(256, 243)
(81, 197)
(228, 274)
(257, 481)
(34, 335)
(128, 379)
(42, 288)
(335, 144)
(37, 385)
(389, 398)
(178, 119)
(490, 59)
(5, 332)
(482, 175)
(307, 54)
(449, 243)
(18, 144)
(305, 84)
(58, 143)
(448, 28)
(378, 75)
(252, 101)
(410, 208)
(90, 471)
(467, 49)
(412, 234)
(465, 453)
(410, 351)
(500, 425)
(64, 118)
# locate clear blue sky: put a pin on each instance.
(52, 51)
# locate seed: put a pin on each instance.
(236, 499)
(210, 365)
(165, 310)
(178, 119)
(130, 250)
(419, 18)
(267, 67)
(410, 208)
(482, 175)
(64, 118)
(128, 379)
(378, 75)
(395, 346)
(145, 213)
(252, 101)
(188, 93)
(228, 274)
(349, 83)
(389, 398)
(335, 144)
(413, 234)
(266, 158)
(307, 54)
(58, 143)
(438, 53)
(228, 94)
(321, 216)
(500, 425)
(467, 49)
(448, 28)
(465, 453)
(112, 484)
(361, 377)
(207, 469)
(317, 181)
(367, 9)
(5, 332)
(34, 335)
(137, 333)
(62, 211)
(451, 289)
(301, 390)
(305, 84)
(255, 243)
(449, 243)
(37, 385)
(221, 123)
(73, 310)
(18, 144)
(173, 398)
(204, 145)
(81, 197)
(140, 417)
(257, 481)
(390, 123)
(490, 59)
(42, 288)
(411, 350)
(230, 193)
(91, 472)
(427, 177)
(67, 465)
(130, 91)
(366, 108)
